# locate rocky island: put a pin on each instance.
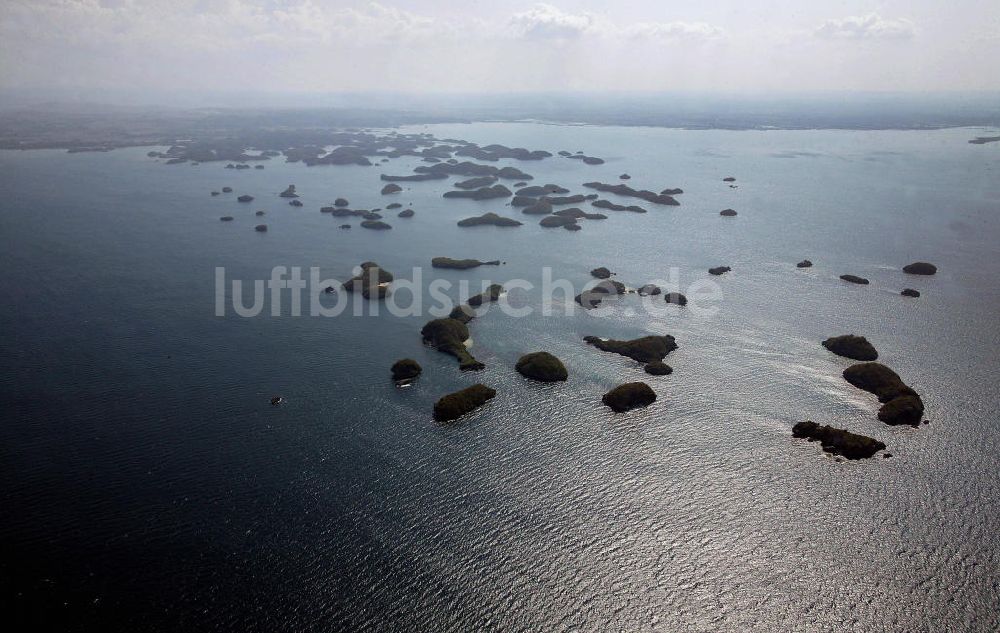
(536, 191)
(557, 221)
(901, 404)
(542, 366)
(625, 190)
(587, 160)
(646, 349)
(488, 219)
(476, 183)
(592, 297)
(373, 280)
(461, 264)
(854, 279)
(851, 346)
(838, 441)
(607, 204)
(631, 395)
(541, 207)
(449, 335)
(455, 405)
(405, 370)
(920, 268)
(658, 368)
(484, 193)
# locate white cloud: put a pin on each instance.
(546, 22)
(673, 30)
(867, 27)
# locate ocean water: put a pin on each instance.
(148, 484)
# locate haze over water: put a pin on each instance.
(149, 485)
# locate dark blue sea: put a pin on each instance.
(147, 484)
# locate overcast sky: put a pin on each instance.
(88, 47)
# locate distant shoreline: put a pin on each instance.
(88, 131)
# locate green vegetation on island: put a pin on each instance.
(455, 405)
(631, 395)
(542, 366)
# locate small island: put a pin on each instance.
(719, 270)
(607, 204)
(489, 219)
(854, 279)
(483, 193)
(391, 188)
(901, 404)
(461, 264)
(631, 395)
(536, 191)
(245, 198)
(851, 346)
(542, 366)
(658, 368)
(373, 280)
(729, 213)
(646, 349)
(920, 268)
(405, 370)
(625, 190)
(542, 207)
(675, 298)
(476, 183)
(592, 297)
(448, 335)
(455, 405)
(557, 221)
(805, 263)
(838, 441)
